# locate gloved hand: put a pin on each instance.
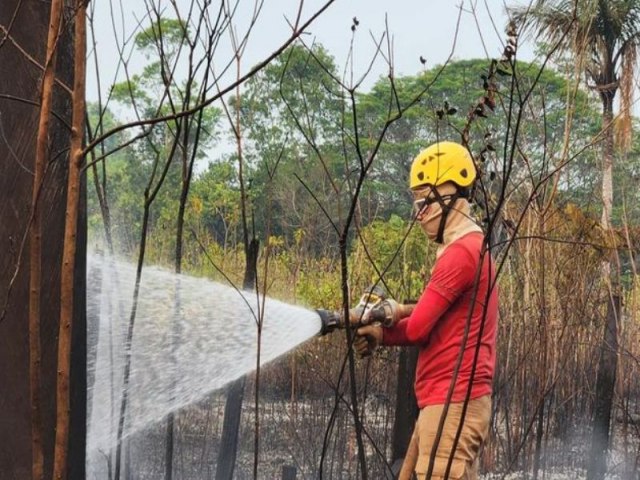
(388, 312)
(356, 317)
(372, 296)
(368, 338)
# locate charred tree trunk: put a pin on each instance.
(23, 36)
(233, 406)
(188, 154)
(78, 371)
(406, 406)
(608, 363)
(605, 385)
(230, 428)
(70, 242)
(35, 239)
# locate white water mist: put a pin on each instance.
(191, 337)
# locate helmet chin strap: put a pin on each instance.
(446, 209)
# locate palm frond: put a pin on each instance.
(545, 20)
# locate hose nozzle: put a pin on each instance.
(330, 321)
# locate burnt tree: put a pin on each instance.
(24, 26)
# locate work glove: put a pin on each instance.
(373, 296)
(388, 312)
(356, 317)
(368, 338)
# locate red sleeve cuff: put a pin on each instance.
(396, 335)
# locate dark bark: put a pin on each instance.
(150, 193)
(289, 472)
(168, 451)
(35, 237)
(68, 287)
(605, 387)
(188, 159)
(230, 428)
(78, 376)
(235, 394)
(353, 393)
(18, 128)
(406, 406)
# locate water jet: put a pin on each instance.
(191, 337)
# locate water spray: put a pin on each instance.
(192, 336)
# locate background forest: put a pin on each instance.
(291, 179)
(311, 156)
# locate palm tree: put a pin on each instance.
(604, 38)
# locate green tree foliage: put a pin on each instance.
(442, 114)
(292, 114)
(138, 169)
(118, 178)
(300, 159)
(395, 253)
(602, 38)
(301, 146)
(215, 204)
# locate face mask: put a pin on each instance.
(427, 209)
(421, 205)
(430, 220)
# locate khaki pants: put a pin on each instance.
(474, 433)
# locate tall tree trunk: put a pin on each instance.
(541, 378)
(23, 37)
(605, 386)
(607, 365)
(235, 394)
(607, 159)
(188, 159)
(78, 371)
(67, 280)
(35, 241)
(406, 406)
(233, 407)
(357, 419)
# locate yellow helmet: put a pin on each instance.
(442, 162)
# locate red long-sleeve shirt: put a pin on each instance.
(438, 321)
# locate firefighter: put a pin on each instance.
(457, 312)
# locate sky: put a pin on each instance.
(432, 29)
